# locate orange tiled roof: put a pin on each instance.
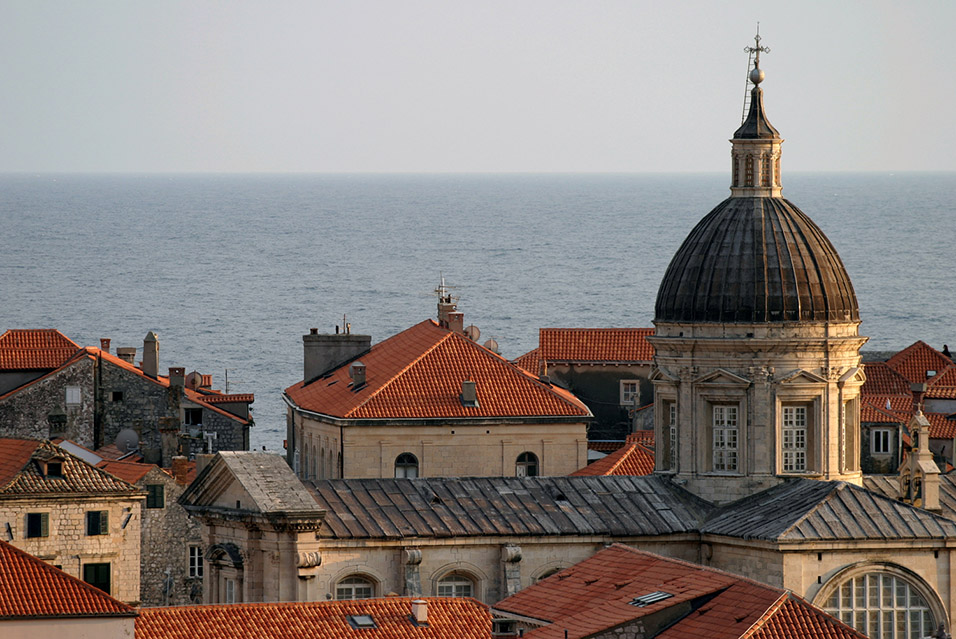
(418, 374)
(111, 453)
(130, 472)
(883, 380)
(594, 596)
(914, 361)
(943, 386)
(23, 349)
(31, 588)
(636, 457)
(874, 411)
(20, 472)
(210, 397)
(530, 361)
(940, 426)
(448, 618)
(595, 344)
(605, 445)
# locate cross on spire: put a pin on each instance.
(758, 49)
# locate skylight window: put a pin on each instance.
(646, 600)
(361, 621)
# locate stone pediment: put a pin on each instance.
(854, 374)
(802, 376)
(661, 375)
(722, 377)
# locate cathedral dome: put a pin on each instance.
(756, 259)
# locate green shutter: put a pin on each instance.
(44, 524)
(104, 522)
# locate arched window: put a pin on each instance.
(406, 465)
(749, 171)
(880, 604)
(527, 465)
(354, 587)
(548, 573)
(456, 585)
(765, 171)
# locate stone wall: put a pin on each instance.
(168, 532)
(143, 404)
(599, 386)
(69, 547)
(26, 414)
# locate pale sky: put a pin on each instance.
(469, 86)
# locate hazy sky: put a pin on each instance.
(476, 85)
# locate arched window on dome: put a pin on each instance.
(406, 465)
(765, 173)
(776, 171)
(526, 465)
(882, 604)
(736, 171)
(749, 171)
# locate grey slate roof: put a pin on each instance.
(806, 509)
(889, 486)
(505, 506)
(756, 259)
(269, 481)
(756, 126)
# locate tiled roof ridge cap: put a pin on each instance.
(835, 487)
(550, 388)
(375, 393)
(771, 610)
(845, 485)
(60, 574)
(320, 603)
(21, 331)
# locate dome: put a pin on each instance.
(756, 259)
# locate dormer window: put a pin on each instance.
(54, 468)
(361, 621)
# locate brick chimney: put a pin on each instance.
(126, 353)
(180, 469)
(105, 344)
(151, 355)
(456, 322)
(322, 353)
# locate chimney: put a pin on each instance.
(469, 393)
(357, 373)
(322, 353)
(177, 376)
(105, 344)
(127, 354)
(420, 611)
(456, 322)
(151, 355)
(180, 469)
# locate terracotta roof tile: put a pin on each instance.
(530, 361)
(111, 453)
(595, 344)
(448, 618)
(28, 479)
(34, 349)
(916, 360)
(605, 445)
(222, 398)
(940, 426)
(30, 588)
(943, 386)
(130, 472)
(418, 374)
(634, 458)
(794, 617)
(883, 380)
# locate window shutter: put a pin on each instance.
(104, 522)
(44, 524)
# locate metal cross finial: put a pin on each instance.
(757, 50)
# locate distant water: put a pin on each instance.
(231, 270)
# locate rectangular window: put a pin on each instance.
(630, 392)
(98, 576)
(155, 496)
(230, 591)
(672, 429)
(195, 561)
(116, 396)
(193, 417)
(794, 439)
(97, 522)
(725, 438)
(72, 395)
(880, 439)
(38, 525)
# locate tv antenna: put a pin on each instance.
(227, 382)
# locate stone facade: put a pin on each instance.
(67, 544)
(458, 448)
(41, 410)
(167, 576)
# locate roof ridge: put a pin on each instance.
(771, 610)
(388, 383)
(834, 487)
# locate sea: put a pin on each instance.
(231, 270)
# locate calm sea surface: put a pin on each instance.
(231, 270)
